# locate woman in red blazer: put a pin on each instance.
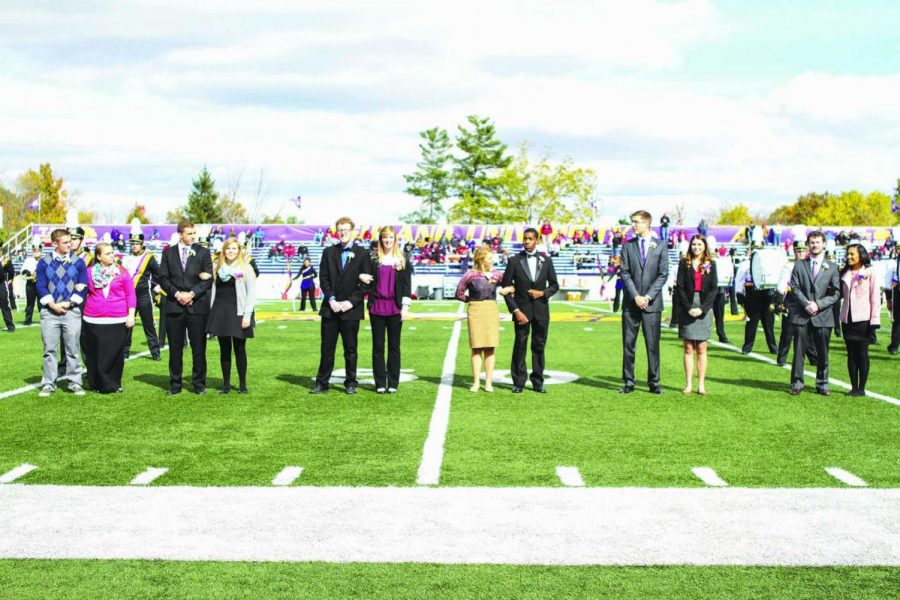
(696, 287)
(108, 315)
(860, 314)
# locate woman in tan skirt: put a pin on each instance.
(478, 288)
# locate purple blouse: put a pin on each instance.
(481, 286)
(384, 304)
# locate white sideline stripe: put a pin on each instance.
(149, 475)
(282, 327)
(709, 477)
(37, 386)
(570, 476)
(846, 477)
(19, 471)
(433, 452)
(536, 526)
(760, 357)
(287, 476)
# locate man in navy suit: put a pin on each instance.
(534, 278)
(185, 274)
(644, 269)
(342, 308)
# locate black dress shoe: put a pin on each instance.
(127, 355)
(540, 390)
(319, 389)
(892, 352)
(351, 389)
(655, 389)
(746, 351)
(173, 392)
(796, 391)
(156, 357)
(225, 389)
(724, 340)
(627, 389)
(823, 392)
(200, 391)
(11, 328)
(243, 390)
(516, 390)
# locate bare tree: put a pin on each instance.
(263, 189)
(678, 214)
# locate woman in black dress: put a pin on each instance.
(231, 312)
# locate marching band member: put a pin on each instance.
(29, 271)
(144, 271)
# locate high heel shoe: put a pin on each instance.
(488, 389)
(473, 389)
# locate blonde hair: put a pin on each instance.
(481, 255)
(239, 259)
(99, 248)
(399, 260)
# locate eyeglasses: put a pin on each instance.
(344, 230)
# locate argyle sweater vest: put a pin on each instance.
(61, 277)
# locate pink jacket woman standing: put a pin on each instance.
(860, 314)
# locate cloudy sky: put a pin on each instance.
(697, 101)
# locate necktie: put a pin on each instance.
(184, 252)
(345, 256)
(643, 252)
(815, 269)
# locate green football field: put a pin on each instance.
(748, 429)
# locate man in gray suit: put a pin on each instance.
(644, 269)
(815, 285)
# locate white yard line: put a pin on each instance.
(550, 526)
(19, 471)
(570, 476)
(287, 476)
(709, 477)
(148, 476)
(760, 357)
(846, 477)
(433, 451)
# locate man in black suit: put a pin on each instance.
(815, 285)
(186, 277)
(343, 308)
(645, 268)
(534, 278)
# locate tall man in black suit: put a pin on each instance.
(645, 268)
(534, 278)
(186, 276)
(343, 308)
(815, 285)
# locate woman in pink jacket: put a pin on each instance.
(860, 314)
(108, 315)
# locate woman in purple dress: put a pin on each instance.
(478, 288)
(388, 276)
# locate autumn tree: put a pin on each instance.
(139, 212)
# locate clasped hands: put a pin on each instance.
(642, 302)
(338, 307)
(695, 312)
(812, 309)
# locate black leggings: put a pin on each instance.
(858, 363)
(240, 355)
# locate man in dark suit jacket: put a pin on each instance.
(815, 285)
(534, 278)
(645, 268)
(186, 304)
(342, 308)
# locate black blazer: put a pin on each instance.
(172, 279)
(517, 275)
(343, 284)
(402, 281)
(683, 298)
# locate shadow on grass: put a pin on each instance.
(157, 381)
(772, 386)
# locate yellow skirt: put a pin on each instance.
(484, 324)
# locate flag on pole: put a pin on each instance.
(35, 203)
(297, 201)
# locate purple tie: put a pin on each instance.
(643, 253)
(184, 252)
(815, 269)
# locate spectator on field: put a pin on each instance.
(664, 227)
(703, 228)
(860, 314)
(546, 231)
(108, 315)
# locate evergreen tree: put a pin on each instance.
(475, 174)
(431, 181)
(203, 202)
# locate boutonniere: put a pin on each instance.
(824, 266)
(706, 268)
(239, 275)
(861, 277)
(192, 252)
(653, 245)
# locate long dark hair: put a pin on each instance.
(864, 259)
(705, 257)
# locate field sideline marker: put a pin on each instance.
(14, 474)
(149, 475)
(709, 477)
(569, 476)
(433, 451)
(762, 358)
(287, 476)
(846, 477)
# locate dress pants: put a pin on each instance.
(30, 301)
(145, 311)
(821, 336)
(787, 338)
(632, 320)
(894, 345)
(519, 369)
(719, 313)
(756, 303)
(308, 293)
(12, 295)
(331, 328)
(732, 299)
(389, 377)
(5, 305)
(179, 326)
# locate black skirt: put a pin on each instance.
(856, 332)
(223, 318)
